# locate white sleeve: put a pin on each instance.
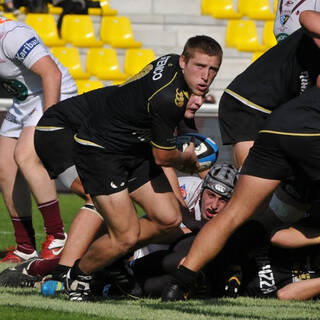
(190, 188)
(22, 44)
(317, 5)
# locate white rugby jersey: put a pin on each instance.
(20, 48)
(190, 188)
(287, 18)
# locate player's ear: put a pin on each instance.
(182, 61)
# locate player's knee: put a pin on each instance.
(127, 241)
(171, 221)
(22, 157)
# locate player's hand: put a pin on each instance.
(190, 164)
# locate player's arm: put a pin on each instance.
(310, 21)
(294, 238)
(50, 76)
(301, 290)
(186, 161)
(174, 183)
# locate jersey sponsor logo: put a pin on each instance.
(183, 191)
(284, 19)
(304, 81)
(157, 72)
(26, 48)
(266, 280)
(11, 118)
(179, 99)
(114, 186)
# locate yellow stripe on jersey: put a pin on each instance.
(162, 147)
(167, 84)
(291, 133)
(86, 142)
(247, 102)
(48, 128)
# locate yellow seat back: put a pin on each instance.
(259, 10)
(79, 30)
(88, 85)
(137, 59)
(269, 40)
(46, 27)
(103, 63)
(70, 58)
(248, 37)
(117, 32)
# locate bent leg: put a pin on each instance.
(162, 208)
(123, 230)
(82, 232)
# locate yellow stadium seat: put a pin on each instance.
(105, 9)
(259, 10)
(54, 10)
(46, 27)
(103, 63)
(248, 37)
(117, 32)
(220, 9)
(136, 59)
(70, 58)
(88, 85)
(243, 7)
(275, 6)
(79, 30)
(269, 40)
(232, 33)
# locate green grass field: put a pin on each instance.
(28, 304)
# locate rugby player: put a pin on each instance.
(35, 80)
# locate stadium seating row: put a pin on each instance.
(103, 62)
(225, 9)
(243, 35)
(78, 30)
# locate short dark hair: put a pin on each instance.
(204, 44)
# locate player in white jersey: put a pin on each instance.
(35, 80)
(287, 17)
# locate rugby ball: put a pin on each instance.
(205, 148)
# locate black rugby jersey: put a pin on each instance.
(282, 73)
(298, 117)
(72, 112)
(147, 108)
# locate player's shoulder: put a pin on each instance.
(164, 67)
(190, 182)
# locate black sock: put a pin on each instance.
(59, 271)
(185, 276)
(76, 271)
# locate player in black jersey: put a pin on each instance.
(288, 145)
(119, 150)
(54, 145)
(282, 73)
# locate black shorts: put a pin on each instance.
(238, 122)
(279, 156)
(55, 149)
(103, 172)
